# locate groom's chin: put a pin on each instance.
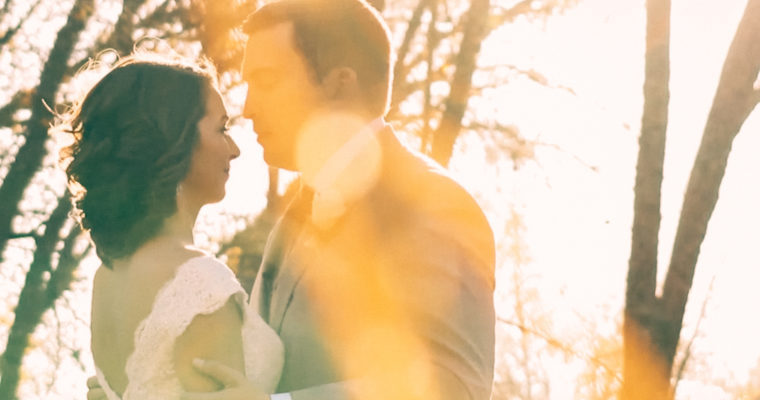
(277, 161)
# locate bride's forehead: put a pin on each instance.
(214, 102)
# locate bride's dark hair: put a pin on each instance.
(134, 135)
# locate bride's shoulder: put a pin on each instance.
(205, 265)
(166, 261)
(204, 274)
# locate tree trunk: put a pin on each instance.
(652, 325)
(400, 69)
(734, 100)
(466, 62)
(433, 38)
(645, 373)
(29, 157)
(10, 33)
(120, 40)
(33, 301)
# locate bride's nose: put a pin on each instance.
(234, 149)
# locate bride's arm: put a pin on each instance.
(237, 387)
(214, 336)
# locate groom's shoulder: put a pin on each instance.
(444, 204)
(436, 191)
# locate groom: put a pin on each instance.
(379, 278)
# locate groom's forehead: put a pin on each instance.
(270, 44)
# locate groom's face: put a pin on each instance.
(282, 92)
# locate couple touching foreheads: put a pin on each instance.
(377, 281)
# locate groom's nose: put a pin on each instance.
(248, 108)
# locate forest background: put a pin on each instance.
(553, 113)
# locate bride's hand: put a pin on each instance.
(236, 386)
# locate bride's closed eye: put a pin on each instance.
(225, 127)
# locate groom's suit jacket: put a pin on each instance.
(392, 300)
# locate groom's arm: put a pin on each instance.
(346, 390)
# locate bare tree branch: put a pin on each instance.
(687, 350)
(501, 80)
(11, 32)
(22, 235)
(734, 101)
(564, 347)
(217, 32)
(646, 222)
(61, 277)
(653, 325)
(519, 8)
(401, 69)
(432, 43)
(32, 301)
(6, 6)
(21, 99)
(527, 8)
(450, 125)
(30, 155)
(646, 372)
(120, 39)
(518, 147)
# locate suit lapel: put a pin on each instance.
(270, 262)
(301, 248)
(281, 267)
(294, 264)
(279, 244)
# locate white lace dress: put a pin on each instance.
(201, 285)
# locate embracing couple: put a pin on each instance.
(376, 283)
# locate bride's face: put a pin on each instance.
(210, 164)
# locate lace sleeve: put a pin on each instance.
(202, 285)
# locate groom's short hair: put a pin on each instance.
(336, 33)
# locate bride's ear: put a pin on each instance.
(341, 84)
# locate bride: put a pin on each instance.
(150, 149)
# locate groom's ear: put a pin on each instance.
(341, 83)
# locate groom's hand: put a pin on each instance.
(94, 391)
(236, 386)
